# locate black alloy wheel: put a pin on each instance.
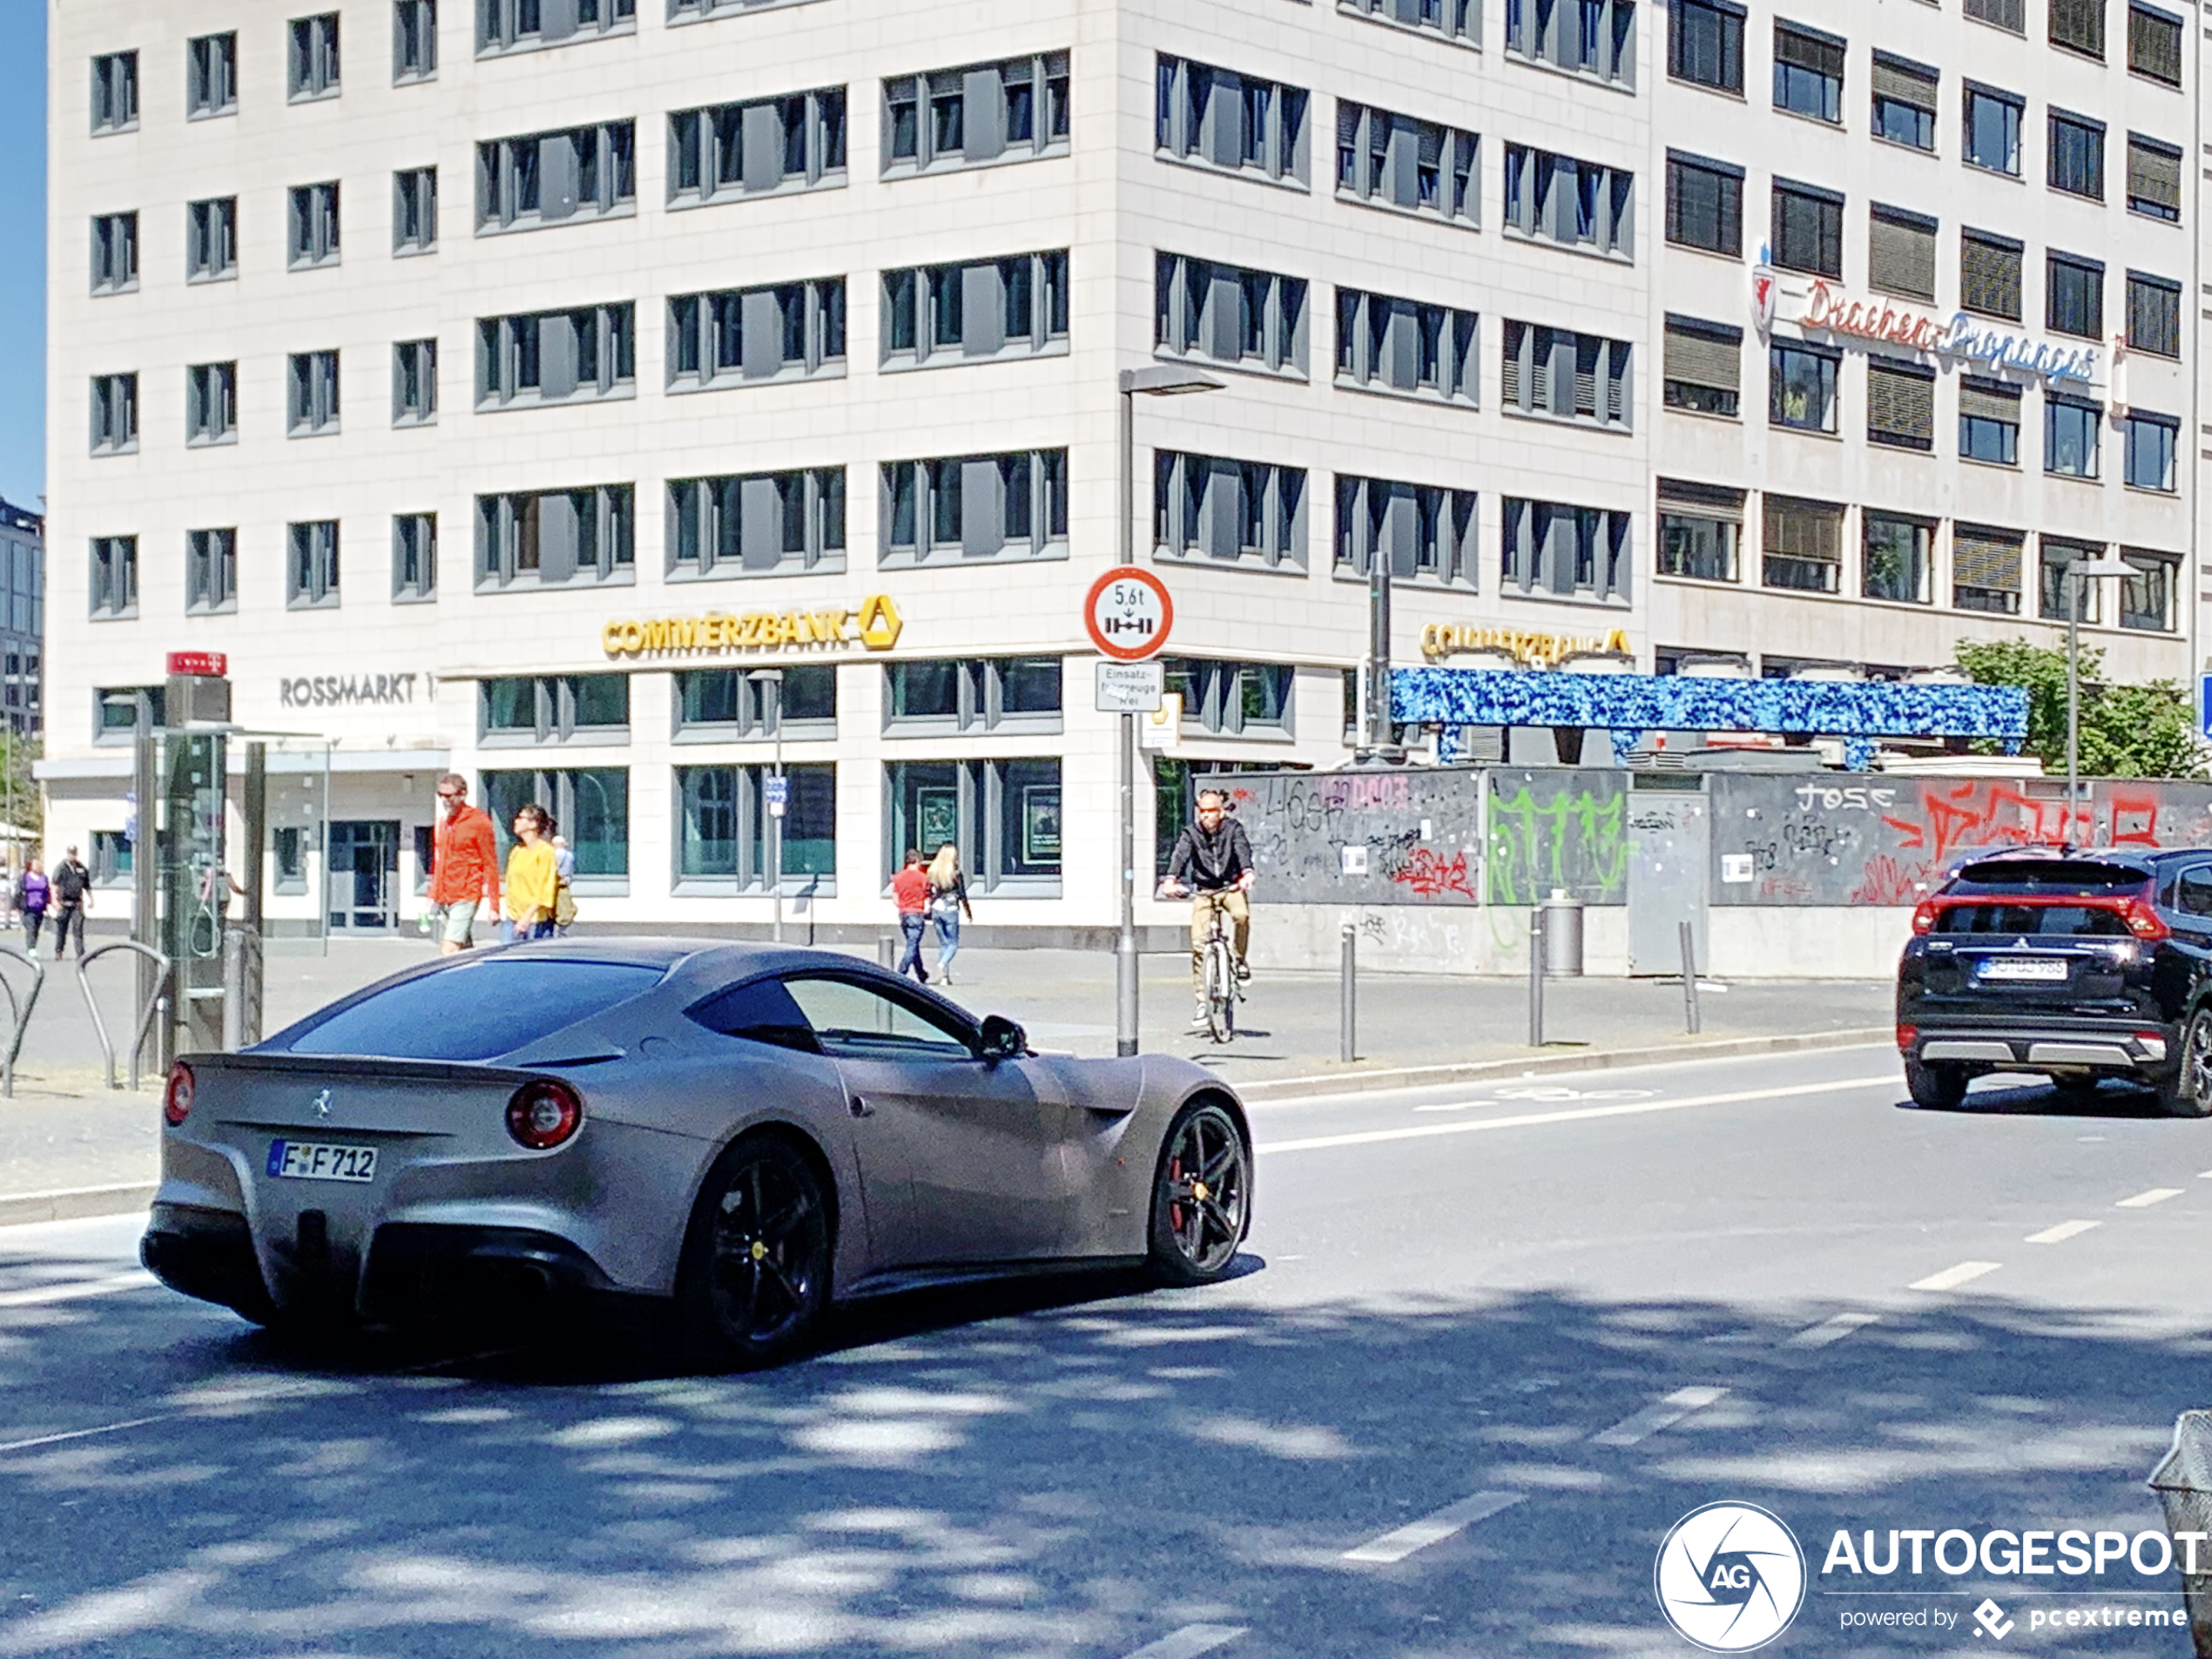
(1201, 1196)
(2190, 1093)
(756, 1274)
(1938, 1086)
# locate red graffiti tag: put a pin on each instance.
(1428, 875)
(1888, 882)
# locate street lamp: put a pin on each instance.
(2102, 568)
(1156, 380)
(772, 682)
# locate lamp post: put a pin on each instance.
(771, 680)
(1158, 379)
(2102, 568)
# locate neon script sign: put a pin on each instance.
(1828, 312)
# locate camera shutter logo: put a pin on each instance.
(1729, 1577)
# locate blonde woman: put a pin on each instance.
(948, 900)
(533, 879)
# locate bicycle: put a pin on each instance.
(1222, 991)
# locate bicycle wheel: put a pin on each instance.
(1220, 990)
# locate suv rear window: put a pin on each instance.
(2043, 920)
(473, 1012)
(2049, 878)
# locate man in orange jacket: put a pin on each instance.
(464, 870)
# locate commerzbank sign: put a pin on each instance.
(1830, 311)
(874, 626)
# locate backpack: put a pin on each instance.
(563, 903)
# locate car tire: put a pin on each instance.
(2188, 1092)
(1201, 1196)
(754, 1282)
(1939, 1087)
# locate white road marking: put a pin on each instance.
(38, 1296)
(1660, 1415)
(1951, 1277)
(2205, 1175)
(1396, 1545)
(80, 1433)
(2063, 1231)
(1833, 1329)
(2144, 1200)
(1523, 1120)
(1190, 1641)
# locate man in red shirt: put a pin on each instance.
(464, 870)
(910, 892)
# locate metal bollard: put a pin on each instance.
(1692, 1016)
(1348, 1018)
(886, 950)
(1536, 978)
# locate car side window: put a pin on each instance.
(854, 1019)
(759, 1012)
(2194, 896)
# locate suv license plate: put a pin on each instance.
(2046, 970)
(307, 1161)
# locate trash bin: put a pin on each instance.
(2183, 1483)
(1562, 915)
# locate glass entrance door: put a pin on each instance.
(364, 875)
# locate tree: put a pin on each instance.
(2146, 730)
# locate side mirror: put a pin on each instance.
(1001, 1039)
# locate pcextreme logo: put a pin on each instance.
(1730, 1577)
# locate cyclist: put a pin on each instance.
(1213, 862)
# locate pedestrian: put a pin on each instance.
(564, 895)
(910, 892)
(948, 900)
(464, 867)
(69, 896)
(30, 896)
(533, 879)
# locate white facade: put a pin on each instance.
(398, 679)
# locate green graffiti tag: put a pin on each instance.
(1573, 839)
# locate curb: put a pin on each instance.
(1352, 1083)
(75, 1203)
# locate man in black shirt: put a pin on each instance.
(1213, 862)
(72, 895)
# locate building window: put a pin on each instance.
(1803, 545)
(1425, 533)
(769, 524)
(115, 92)
(1016, 110)
(2147, 597)
(115, 413)
(1989, 274)
(1901, 252)
(1595, 37)
(1989, 421)
(553, 708)
(1808, 73)
(1704, 205)
(1905, 101)
(2079, 25)
(2077, 162)
(518, 25)
(1552, 549)
(1219, 118)
(414, 382)
(210, 76)
(1900, 558)
(115, 576)
(2154, 178)
(1405, 348)
(727, 705)
(939, 316)
(1003, 815)
(2074, 300)
(311, 409)
(554, 177)
(2010, 15)
(210, 403)
(2151, 442)
(311, 573)
(1901, 405)
(977, 694)
(211, 571)
(722, 834)
(1564, 376)
(1386, 160)
(1808, 229)
(1801, 386)
(1460, 20)
(1224, 314)
(313, 63)
(1231, 699)
(793, 143)
(2153, 315)
(313, 225)
(1704, 366)
(1575, 204)
(556, 538)
(1992, 138)
(1701, 530)
(415, 210)
(211, 240)
(1705, 43)
(975, 507)
(414, 40)
(1245, 512)
(115, 252)
(2154, 44)
(1986, 569)
(699, 10)
(415, 557)
(590, 804)
(2056, 594)
(2070, 436)
(115, 711)
(557, 357)
(739, 336)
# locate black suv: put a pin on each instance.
(2077, 964)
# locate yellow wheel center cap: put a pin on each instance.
(1199, 1191)
(759, 1250)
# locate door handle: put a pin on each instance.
(860, 1107)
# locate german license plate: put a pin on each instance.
(2042, 970)
(309, 1161)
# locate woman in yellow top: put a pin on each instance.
(532, 879)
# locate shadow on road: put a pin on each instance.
(2112, 1100)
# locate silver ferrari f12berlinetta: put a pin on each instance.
(746, 1133)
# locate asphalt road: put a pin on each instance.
(1491, 1345)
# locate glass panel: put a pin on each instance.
(707, 828)
(1029, 818)
(1029, 685)
(602, 700)
(511, 705)
(810, 693)
(487, 1006)
(600, 832)
(854, 1019)
(709, 696)
(925, 690)
(925, 807)
(810, 823)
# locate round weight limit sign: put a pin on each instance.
(1129, 614)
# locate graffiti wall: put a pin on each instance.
(1559, 828)
(1372, 838)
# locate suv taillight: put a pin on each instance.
(543, 1114)
(1907, 1036)
(1924, 916)
(2143, 920)
(176, 1099)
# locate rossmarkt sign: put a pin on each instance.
(874, 626)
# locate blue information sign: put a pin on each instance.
(778, 791)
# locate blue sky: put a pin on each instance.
(22, 263)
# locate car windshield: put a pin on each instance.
(2043, 920)
(471, 1011)
(2049, 878)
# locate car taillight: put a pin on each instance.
(176, 1099)
(1907, 1036)
(2144, 921)
(1924, 916)
(543, 1114)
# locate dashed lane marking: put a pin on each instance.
(2063, 1231)
(1951, 1277)
(1190, 1641)
(75, 1290)
(1396, 1545)
(1833, 1329)
(1663, 1413)
(2144, 1200)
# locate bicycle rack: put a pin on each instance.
(19, 1017)
(145, 1016)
